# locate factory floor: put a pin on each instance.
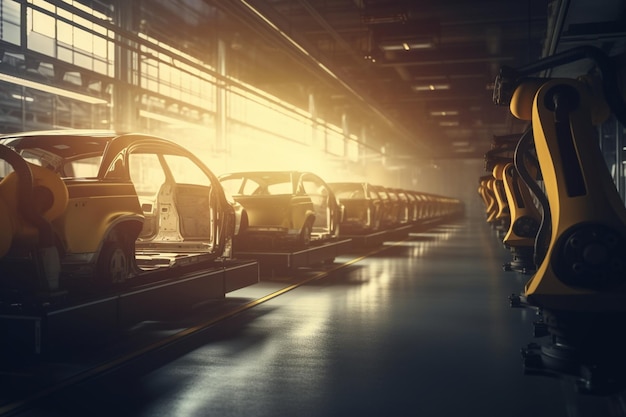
(422, 328)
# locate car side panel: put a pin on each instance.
(98, 205)
(282, 213)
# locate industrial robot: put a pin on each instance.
(500, 217)
(579, 287)
(486, 194)
(523, 217)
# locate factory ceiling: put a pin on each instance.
(417, 75)
(426, 66)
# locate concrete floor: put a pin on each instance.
(421, 329)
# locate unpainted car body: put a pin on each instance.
(362, 207)
(390, 216)
(402, 201)
(118, 199)
(414, 206)
(283, 208)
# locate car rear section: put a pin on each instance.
(275, 219)
(358, 216)
(99, 215)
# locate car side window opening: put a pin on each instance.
(251, 187)
(41, 158)
(81, 168)
(280, 188)
(231, 186)
(146, 174)
(5, 168)
(185, 171)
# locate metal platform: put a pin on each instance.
(280, 262)
(378, 238)
(48, 327)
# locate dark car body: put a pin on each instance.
(127, 200)
(390, 216)
(414, 206)
(404, 204)
(283, 207)
(362, 207)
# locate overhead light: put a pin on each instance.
(413, 35)
(51, 89)
(405, 45)
(444, 113)
(460, 144)
(449, 124)
(21, 97)
(431, 87)
(370, 58)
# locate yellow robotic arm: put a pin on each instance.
(583, 267)
(579, 287)
(525, 217)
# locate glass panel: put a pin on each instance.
(40, 43)
(44, 24)
(64, 33)
(10, 27)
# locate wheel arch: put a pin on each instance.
(124, 228)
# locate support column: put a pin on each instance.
(221, 105)
(313, 113)
(125, 108)
(346, 134)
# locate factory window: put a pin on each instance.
(169, 75)
(334, 142)
(258, 109)
(352, 148)
(59, 33)
(10, 22)
(170, 72)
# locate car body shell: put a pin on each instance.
(401, 204)
(283, 207)
(390, 216)
(113, 197)
(362, 206)
(406, 205)
(413, 206)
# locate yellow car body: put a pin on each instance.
(111, 199)
(283, 208)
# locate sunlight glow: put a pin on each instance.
(182, 97)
